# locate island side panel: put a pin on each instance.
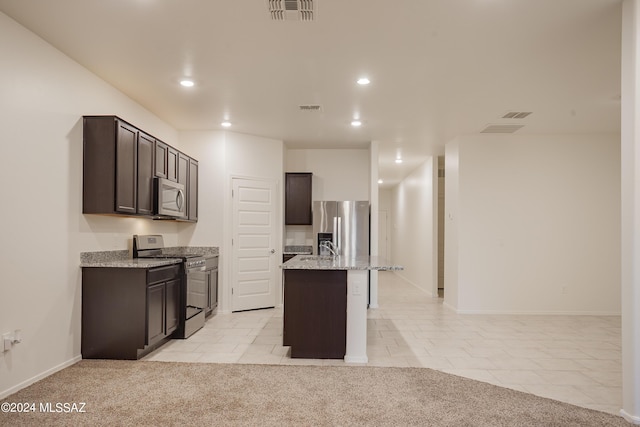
(357, 284)
(315, 313)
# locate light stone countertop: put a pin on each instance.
(315, 262)
(123, 259)
(132, 263)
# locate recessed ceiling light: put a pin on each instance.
(356, 123)
(398, 160)
(363, 81)
(380, 181)
(225, 124)
(187, 83)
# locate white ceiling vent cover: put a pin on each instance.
(310, 107)
(516, 114)
(501, 128)
(291, 10)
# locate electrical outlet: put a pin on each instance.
(563, 289)
(356, 289)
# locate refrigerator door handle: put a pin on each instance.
(334, 235)
(339, 236)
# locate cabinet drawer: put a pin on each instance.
(162, 274)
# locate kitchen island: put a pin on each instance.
(325, 305)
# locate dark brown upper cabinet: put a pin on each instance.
(160, 168)
(119, 166)
(183, 177)
(110, 167)
(188, 176)
(146, 148)
(298, 198)
(172, 164)
(166, 162)
(192, 193)
(183, 169)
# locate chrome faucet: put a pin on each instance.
(328, 245)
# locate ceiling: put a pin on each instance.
(438, 68)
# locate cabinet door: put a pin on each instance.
(183, 169)
(146, 148)
(155, 312)
(192, 193)
(298, 199)
(173, 305)
(126, 168)
(161, 155)
(172, 164)
(213, 289)
(183, 177)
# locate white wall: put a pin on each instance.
(208, 147)
(451, 212)
(223, 156)
(337, 174)
(538, 224)
(253, 157)
(630, 207)
(384, 197)
(44, 96)
(413, 229)
(384, 205)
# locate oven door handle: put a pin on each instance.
(196, 269)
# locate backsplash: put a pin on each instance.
(298, 235)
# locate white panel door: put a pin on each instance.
(254, 240)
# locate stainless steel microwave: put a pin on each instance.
(170, 199)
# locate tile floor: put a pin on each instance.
(575, 359)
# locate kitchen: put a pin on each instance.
(49, 93)
(274, 289)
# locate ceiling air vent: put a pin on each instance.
(310, 107)
(291, 10)
(516, 114)
(501, 128)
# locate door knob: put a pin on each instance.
(273, 251)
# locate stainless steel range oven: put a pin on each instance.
(193, 299)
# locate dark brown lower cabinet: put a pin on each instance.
(128, 312)
(156, 303)
(315, 313)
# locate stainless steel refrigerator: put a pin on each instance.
(344, 224)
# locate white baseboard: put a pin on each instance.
(633, 419)
(541, 313)
(40, 376)
(356, 359)
(449, 307)
(424, 291)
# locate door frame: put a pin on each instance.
(229, 273)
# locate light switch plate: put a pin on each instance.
(7, 340)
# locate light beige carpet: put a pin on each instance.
(135, 393)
